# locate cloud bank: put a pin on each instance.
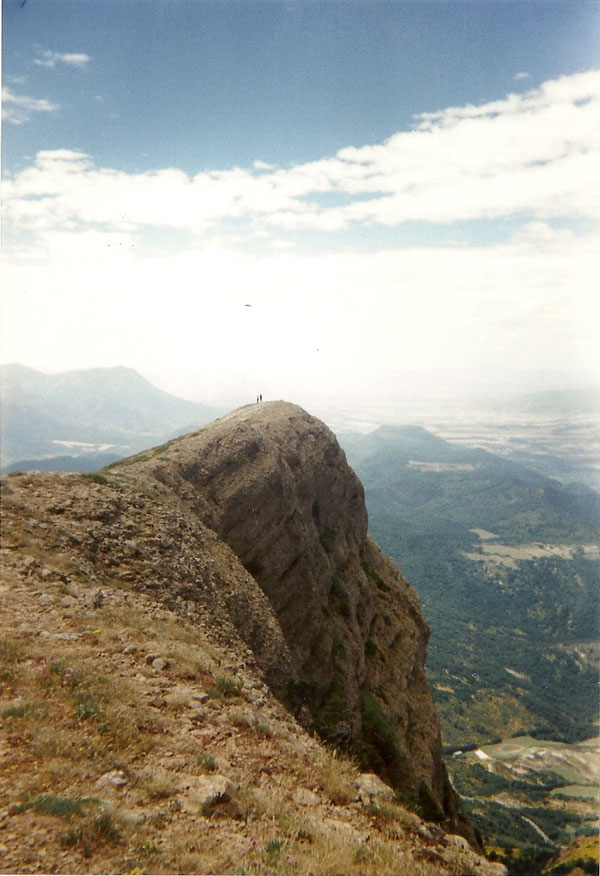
(533, 154)
(154, 269)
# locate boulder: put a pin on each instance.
(199, 792)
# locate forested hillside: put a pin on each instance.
(506, 563)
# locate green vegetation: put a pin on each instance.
(370, 648)
(513, 638)
(207, 763)
(471, 779)
(335, 712)
(428, 807)
(229, 687)
(487, 619)
(49, 804)
(101, 829)
(508, 826)
(379, 748)
(96, 477)
(14, 711)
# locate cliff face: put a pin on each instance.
(255, 530)
(275, 486)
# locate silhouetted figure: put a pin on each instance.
(260, 396)
(257, 399)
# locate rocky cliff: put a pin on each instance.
(275, 486)
(254, 530)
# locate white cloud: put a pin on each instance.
(18, 108)
(533, 154)
(83, 259)
(520, 76)
(70, 59)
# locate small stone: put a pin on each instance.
(495, 868)
(150, 658)
(342, 827)
(46, 599)
(370, 786)
(159, 664)
(132, 817)
(115, 779)
(459, 841)
(199, 716)
(199, 791)
(129, 649)
(304, 797)
(431, 856)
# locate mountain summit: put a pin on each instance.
(275, 486)
(254, 530)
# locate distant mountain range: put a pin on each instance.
(559, 402)
(490, 546)
(81, 420)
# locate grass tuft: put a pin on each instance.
(49, 804)
(228, 686)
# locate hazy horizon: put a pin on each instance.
(415, 399)
(331, 203)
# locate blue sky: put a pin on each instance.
(204, 85)
(397, 186)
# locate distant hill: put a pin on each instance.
(559, 402)
(87, 462)
(471, 488)
(482, 539)
(506, 563)
(54, 419)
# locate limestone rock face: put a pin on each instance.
(273, 483)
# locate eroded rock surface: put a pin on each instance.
(255, 528)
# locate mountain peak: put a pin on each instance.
(114, 406)
(256, 525)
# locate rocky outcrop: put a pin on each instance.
(275, 486)
(255, 529)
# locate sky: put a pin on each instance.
(318, 201)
